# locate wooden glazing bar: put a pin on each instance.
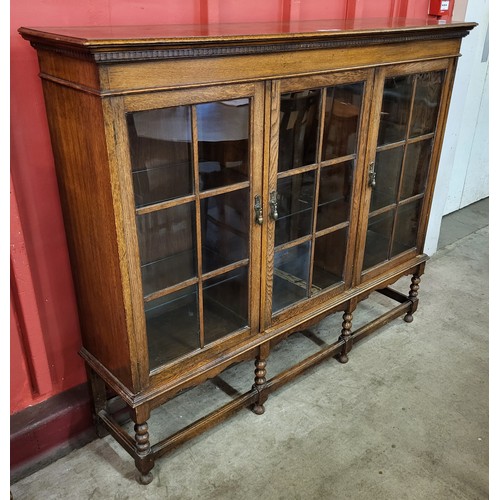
(392, 145)
(155, 207)
(335, 161)
(382, 210)
(298, 170)
(402, 173)
(225, 269)
(412, 198)
(381, 321)
(412, 140)
(332, 229)
(204, 423)
(117, 432)
(199, 249)
(293, 243)
(224, 189)
(315, 207)
(170, 289)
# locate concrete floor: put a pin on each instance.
(406, 418)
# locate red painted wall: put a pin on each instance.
(45, 335)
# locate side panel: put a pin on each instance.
(79, 147)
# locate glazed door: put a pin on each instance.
(403, 157)
(195, 163)
(317, 125)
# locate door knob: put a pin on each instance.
(371, 175)
(273, 201)
(259, 216)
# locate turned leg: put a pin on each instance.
(413, 296)
(143, 457)
(260, 380)
(345, 336)
(143, 461)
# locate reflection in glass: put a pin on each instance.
(334, 194)
(291, 273)
(378, 239)
(225, 304)
(160, 152)
(388, 169)
(329, 259)
(426, 104)
(417, 161)
(167, 243)
(173, 326)
(405, 235)
(298, 129)
(224, 229)
(223, 142)
(395, 109)
(343, 108)
(295, 201)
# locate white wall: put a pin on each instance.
(463, 169)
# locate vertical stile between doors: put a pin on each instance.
(257, 158)
(274, 122)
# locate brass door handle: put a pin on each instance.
(371, 175)
(273, 202)
(259, 215)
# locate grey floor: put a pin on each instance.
(406, 418)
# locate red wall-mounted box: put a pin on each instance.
(439, 7)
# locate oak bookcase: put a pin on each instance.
(225, 186)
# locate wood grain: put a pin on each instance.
(94, 77)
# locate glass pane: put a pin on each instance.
(167, 246)
(388, 169)
(405, 235)
(225, 304)
(291, 273)
(334, 194)
(298, 129)
(160, 152)
(343, 107)
(418, 156)
(426, 105)
(222, 142)
(295, 201)
(172, 326)
(224, 229)
(378, 238)
(395, 109)
(329, 259)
